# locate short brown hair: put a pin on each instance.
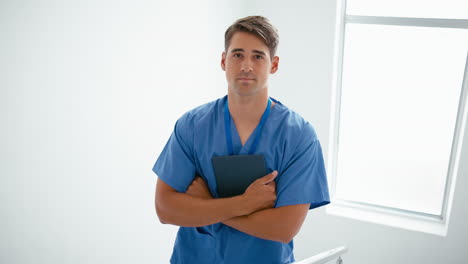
(259, 26)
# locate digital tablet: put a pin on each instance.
(235, 173)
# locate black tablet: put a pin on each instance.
(235, 173)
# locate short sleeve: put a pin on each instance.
(175, 165)
(304, 179)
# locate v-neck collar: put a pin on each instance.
(236, 141)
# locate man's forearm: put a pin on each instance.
(196, 207)
(277, 224)
(184, 210)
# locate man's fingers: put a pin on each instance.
(272, 183)
(269, 178)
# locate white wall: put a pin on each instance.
(89, 94)
(304, 84)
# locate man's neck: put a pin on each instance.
(247, 109)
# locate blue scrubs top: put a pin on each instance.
(289, 145)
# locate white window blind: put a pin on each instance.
(452, 9)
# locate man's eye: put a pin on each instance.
(258, 57)
(237, 55)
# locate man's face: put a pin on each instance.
(247, 64)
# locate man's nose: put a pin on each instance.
(246, 66)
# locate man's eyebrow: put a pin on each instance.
(259, 52)
(254, 51)
(237, 50)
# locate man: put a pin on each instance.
(257, 226)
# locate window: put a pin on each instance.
(399, 111)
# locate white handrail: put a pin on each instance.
(325, 257)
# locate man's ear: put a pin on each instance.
(223, 61)
(274, 64)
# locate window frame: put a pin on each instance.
(410, 220)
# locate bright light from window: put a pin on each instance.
(400, 96)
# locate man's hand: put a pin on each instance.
(198, 188)
(261, 194)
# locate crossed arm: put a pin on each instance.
(251, 212)
(278, 224)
